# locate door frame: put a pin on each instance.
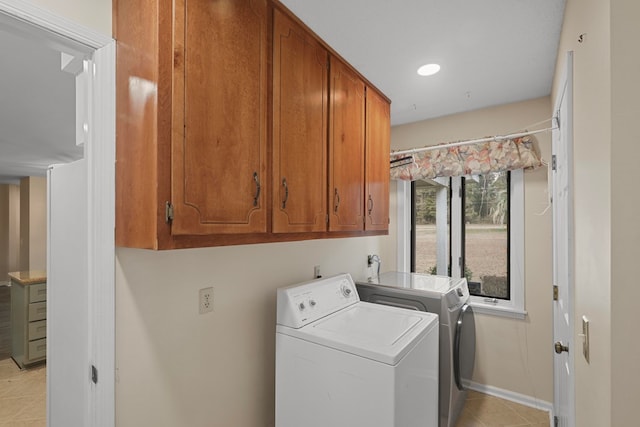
(100, 156)
(566, 93)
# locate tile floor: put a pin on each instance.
(481, 410)
(22, 395)
(23, 403)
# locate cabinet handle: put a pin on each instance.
(286, 192)
(336, 199)
(370, 204)
(258, 188)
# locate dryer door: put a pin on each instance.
(464, 347)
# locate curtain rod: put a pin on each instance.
(473, 141)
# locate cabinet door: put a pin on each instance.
(377, 162)
(300, 107)
(346, 149)
(219, 139)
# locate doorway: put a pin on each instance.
(89, 58)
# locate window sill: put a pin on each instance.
(498, 310)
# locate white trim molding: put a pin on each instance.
(100, 153)
(35, 15)
(33, 21)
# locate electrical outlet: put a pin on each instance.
(316, 272)
(205, 301)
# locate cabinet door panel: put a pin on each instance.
(300, 106)
(220, 113)
(346, 149)
(377, 162)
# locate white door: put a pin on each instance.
(68, 379)
(562, 194)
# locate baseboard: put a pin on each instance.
(512, 396)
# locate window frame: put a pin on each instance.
(515, 306)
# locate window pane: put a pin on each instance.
(425, 233)
(486, 236)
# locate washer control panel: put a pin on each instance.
(301, 304)
(458, 295)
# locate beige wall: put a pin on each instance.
(33, 223)
(512, 355)
(606, 93)
(625, 208)
(9, 229)
(175, 367)
(592, 203)
(94, 14)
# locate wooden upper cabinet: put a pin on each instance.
(230, 129)
(219, 127)
(300, 107)
(377, 162)
(346, 148)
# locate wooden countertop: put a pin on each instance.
(28, 277)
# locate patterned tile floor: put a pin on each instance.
(481, 410)
(22, 395)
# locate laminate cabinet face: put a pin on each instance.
(346, 149)
(219, 140)
(300, 107)
(377, 162)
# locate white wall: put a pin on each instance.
(94, 14)
(175, 367)
(513, 355)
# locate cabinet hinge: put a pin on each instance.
(554, 162)
(168, 212)
(94, 374)
(555, 292)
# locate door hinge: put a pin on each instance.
(94, 374)
(555, 421)
(555, 292)
(326, 219)
(168, 212)
(554, 162)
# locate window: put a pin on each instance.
(485, 234)
(471, 226)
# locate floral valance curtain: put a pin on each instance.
(473, 159)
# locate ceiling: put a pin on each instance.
(492, 52)
(37, 107)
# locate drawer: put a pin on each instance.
(38, 292)
(37, 349)
(37, 330)
(37, 311)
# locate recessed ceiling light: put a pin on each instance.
(428, 69)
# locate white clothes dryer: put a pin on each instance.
(449, 298)
(341, 362)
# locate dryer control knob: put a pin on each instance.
(346, 291)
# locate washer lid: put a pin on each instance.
(374, 331)
(417, 281)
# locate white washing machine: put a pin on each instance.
(341, 362)
(449, 298)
